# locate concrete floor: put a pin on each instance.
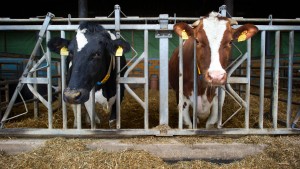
(170, 152)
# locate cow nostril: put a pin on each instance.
(76, 95)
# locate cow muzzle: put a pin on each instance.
(75, 96)
(216, 77)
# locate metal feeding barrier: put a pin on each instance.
(163, 31)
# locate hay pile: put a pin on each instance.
(281, 152)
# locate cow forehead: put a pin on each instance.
(214, 29)
(81, 39)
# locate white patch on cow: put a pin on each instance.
(203, 106)
(106, 104)
(214, 29)
(81, 39)
(205, 109)
(185, 112)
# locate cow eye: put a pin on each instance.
(95, 56)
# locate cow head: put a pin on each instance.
(213, 35)
(92, 52)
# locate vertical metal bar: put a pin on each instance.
(247, 97)
(78, 114)
(262, 79)
(195, 105)
(220, 107)
(163, 70)
(290, 79)
(180, 104)
(146, 85)
(223, 11)
(58, 69)
(118, 99)
(164, 80)
(276, 79)
(93, 125)
(35, 103)
(63, 84)
(49, 77)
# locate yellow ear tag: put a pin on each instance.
(64, 51)
(199, 72)
(119, 51)
(243, 36)
(184, 35)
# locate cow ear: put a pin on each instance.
(119, 43)
(183, 29)
(56, 43)
(245, 32)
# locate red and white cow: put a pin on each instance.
(213, 35)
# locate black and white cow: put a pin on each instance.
(92, 54)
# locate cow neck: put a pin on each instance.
(104, 80)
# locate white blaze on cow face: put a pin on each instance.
(81, 39)
(214, 29)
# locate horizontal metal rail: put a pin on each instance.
(143, 19)
(133, 27)
(111, 133)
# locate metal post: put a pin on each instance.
(180, 104)
(49, 76)
(146, 85)
(195, 105)
(290, 79)
(221, 92)
(118, 99)
(63, 84)
(276, 79)
(93, 125)
(36, 102)
(78, 114)
(163, 34)
(247, 97)
(262, 79)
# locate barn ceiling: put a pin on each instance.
(146, 8)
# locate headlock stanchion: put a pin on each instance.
(31, 68)
(163, 32)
